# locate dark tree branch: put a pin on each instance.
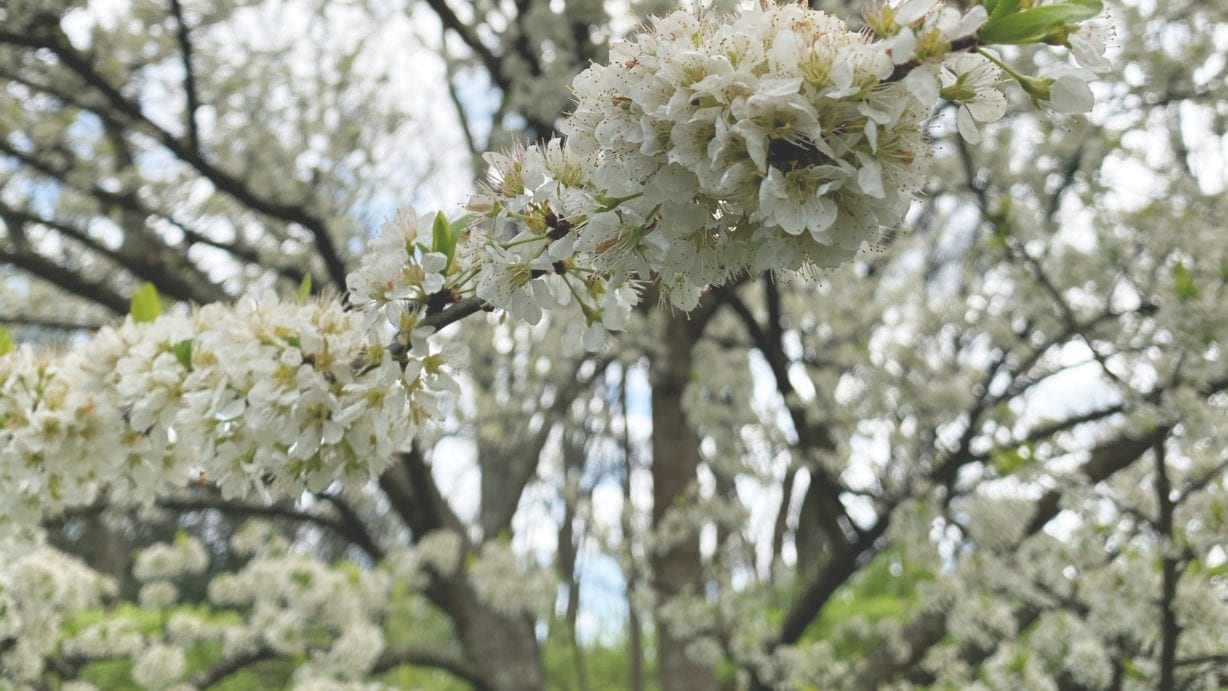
(129, 204)
(412, 492)
(189, 76)
(148, 268)
(54, 40)
(235, 508)
(455, 313)
(355, 528)
(220, 672)
(834, 573)
(1170, 568)
(69, 281)
(810, 437)
(461, 116)
(49, 323)
(491, 62)
(391, 659)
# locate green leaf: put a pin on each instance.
(1133, 671)
(444, 238)
(1000, 8)
(146, 304)
(6, 342)
(1183, 282)
(183, 353)
(304, 289)
(1031, 26)
(1010, 461)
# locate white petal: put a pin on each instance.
(332, 432)
(921, 83)
(562, 248)
(231, 410)
(967, 126)
(989, 106)
(1070, 95)
(970, 22)
(912, 10)
(870, 180)
(903, 46)
(434, 262)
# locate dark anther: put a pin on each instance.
(435, 302)
(559, 228)
(559, 267)
(786, 155)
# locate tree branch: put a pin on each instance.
(49, 322)
(458, 311)
(340, 527)
(429, 658)
(54, 40)
(189, 76)
(355, 527)
(93, 291)
(1170, 567)
(218, 674)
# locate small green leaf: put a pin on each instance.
(1031, 26)
(146, 304)
(1001, 8)
(183, 353)
(1133, 671)
(444, 238)
(1183, 282)
(304, 289)
(6, 342)
(1010, 461)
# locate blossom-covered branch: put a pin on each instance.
(709, 147)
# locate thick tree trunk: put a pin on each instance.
(502, 649)
(675, 459)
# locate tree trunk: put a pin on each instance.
(502, 649)
(675, 459)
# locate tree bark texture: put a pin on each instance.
(675, 459)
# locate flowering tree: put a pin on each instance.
(987, 451)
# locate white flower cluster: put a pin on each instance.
(39, 590)
(397, 276)
(49, 424)
(159, 666)
(718, 145)
(500, 581)
(709, 147)
(267, 396)
(185, 557)
(527, 254)
(768, 140)
(300, 605)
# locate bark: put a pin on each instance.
(501, 649)
(675, 459)
(635, 630)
